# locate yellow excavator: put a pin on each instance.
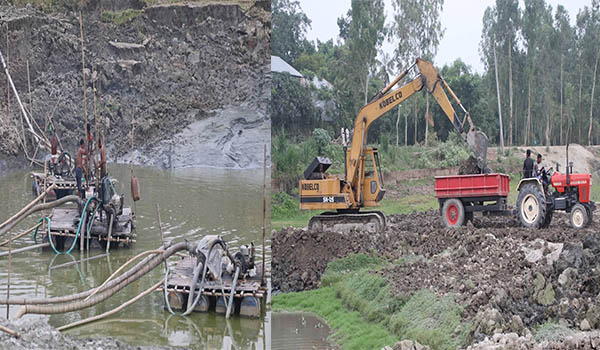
(363, 182)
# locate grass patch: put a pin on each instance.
(120, 17)
(551, 331)
(431, 321)
(363, 312)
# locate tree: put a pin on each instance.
(288, 30)
(363, 31)
(588, 25)
(292, 109)
(417, 30)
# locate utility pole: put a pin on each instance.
(499, 108)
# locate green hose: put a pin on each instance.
(77, 234)
(36, 229)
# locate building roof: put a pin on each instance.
(281, 66)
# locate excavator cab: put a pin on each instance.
(372, 183)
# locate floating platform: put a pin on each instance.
(249, 295)
(64, 223)
(65, 185)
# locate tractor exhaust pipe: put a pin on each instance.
(568, 165)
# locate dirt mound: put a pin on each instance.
(469, 166)
(507, 277)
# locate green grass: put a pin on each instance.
(363, 312)
(551, 331)
(120, 17)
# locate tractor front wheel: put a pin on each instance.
(579, 216)
(531, 206)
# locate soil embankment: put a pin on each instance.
(507, 278)
(194, 77)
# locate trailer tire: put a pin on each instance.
(531, 206)
(453, 213)
(579, 216)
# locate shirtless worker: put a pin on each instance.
(80, 164)
(101, 159)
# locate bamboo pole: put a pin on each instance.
(28, 206)
(67, 264)
(84, 99)
(20, 250)
(38, 207)
(113, 311)
(264, 243)
(9, 331)
(9, 271)
(24, 233)
(12, 84)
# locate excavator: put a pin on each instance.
(363, 183)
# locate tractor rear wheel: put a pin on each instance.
(453, 213)
(548, 219)
(579, 216)
(531, 206)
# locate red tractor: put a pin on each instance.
(536, 204)
(462, 195)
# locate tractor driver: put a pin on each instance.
(540, 171)
(528, 166)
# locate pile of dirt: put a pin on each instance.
(194, 77)
(469, 166)
(507, 278)
(36, 333)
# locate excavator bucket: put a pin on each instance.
(478, 142)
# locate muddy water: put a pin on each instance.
(193, 203)
(302, 331)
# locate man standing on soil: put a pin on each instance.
(528, 166)
(80, 163)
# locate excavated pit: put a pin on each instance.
(507, 278)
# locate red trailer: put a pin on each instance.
(462, 195)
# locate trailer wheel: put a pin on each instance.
(531, 206)
(579, 216)
(453, 213)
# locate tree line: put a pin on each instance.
(546, 66)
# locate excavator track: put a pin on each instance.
(371, 221)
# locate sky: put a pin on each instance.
(462, 20)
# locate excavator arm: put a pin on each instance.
(386, 99)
